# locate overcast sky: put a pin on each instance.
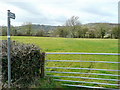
(56, 12)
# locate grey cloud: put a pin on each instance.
(29, 7)
(37, 15)
(48, 20)
(34, 15)
(43, 20)
(100, 9)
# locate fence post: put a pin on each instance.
(42, 65)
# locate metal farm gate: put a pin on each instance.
(86, 78)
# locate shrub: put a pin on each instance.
(25, 62)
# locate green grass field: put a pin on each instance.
(51, 44)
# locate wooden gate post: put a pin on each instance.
(42, 65)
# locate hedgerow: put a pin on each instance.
(25, 63)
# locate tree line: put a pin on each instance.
(74, 29)
(71, 29)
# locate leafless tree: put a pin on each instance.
(73, 24)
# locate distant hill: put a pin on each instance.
(36, 27)
(49, 27)
(43, 27)
(93, 24)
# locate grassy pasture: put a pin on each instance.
(51, 44)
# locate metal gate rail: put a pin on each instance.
(49, 53)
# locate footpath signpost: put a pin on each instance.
(10, 15)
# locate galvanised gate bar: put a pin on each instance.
(79, 77)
